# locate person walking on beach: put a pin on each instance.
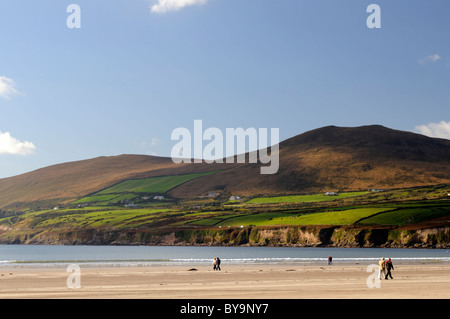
(218, 263)
(330, 260)
(389, 266)
(381, 267)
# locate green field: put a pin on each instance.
(132, 189)
(408, 216)
(395, 215)
(152, 185)
(108, 198)
(302, 198)
(92, 217)
(100, 212)
(339, 217)
(98, 217)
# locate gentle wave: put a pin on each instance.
(310, 259)
(204, 261)
(106, 261)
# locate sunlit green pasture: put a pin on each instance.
(408, 216)
(302, 198)
(92, 218)
(159, 185)
(133, 189)
(338, 217)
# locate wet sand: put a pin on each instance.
(233, 282)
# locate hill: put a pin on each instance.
(326, 159)
(70, 181)
(338, 159)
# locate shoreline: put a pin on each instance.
(206, 265)
(255, 281)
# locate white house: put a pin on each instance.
(158, 197)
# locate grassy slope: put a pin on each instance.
(87, 218)
(70, 181)
(359, 210)
(130, 189)
(396, 208)
(302, 198)
(340, 217)
(159, 185)
(407, 216)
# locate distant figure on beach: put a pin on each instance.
(216, 263)
(330, 260)
(389, 266)
(381, 267)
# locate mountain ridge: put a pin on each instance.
(325, 159)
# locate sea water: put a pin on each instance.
(54, 255)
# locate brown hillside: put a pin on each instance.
(335, 158)
(70, 181)
(329, 158)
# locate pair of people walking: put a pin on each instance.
(384, 268)
(216, 263)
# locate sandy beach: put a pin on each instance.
(233, 282)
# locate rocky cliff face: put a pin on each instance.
(313, 236)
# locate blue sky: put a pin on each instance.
(138, 69)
